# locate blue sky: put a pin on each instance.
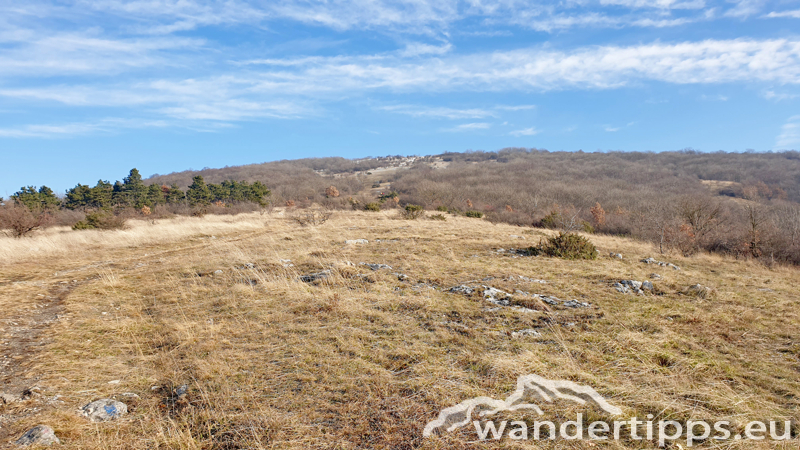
(91, 88)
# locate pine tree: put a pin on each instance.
(198, 193)
(175, 195)
(134, 189)
(79, 197)
(155, 196)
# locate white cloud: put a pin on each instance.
(778, 96)
(438, 112)
(795, 14)
(469, 127)
(790, 133)
(525, 132)
(78, 128)
(745, 8)
(714, 98)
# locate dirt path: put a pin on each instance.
(22, 337)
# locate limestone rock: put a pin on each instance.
(38, 435)
(104, 410)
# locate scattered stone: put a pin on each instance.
(660, 263)
(130, 394)
(218, 272)
(376, 266)
(286, 262)
(8, 398)
(38, 435)
(765, 290)
(315, 276)
(632, 286)
(615, 255)
(647, 286)
(114, 382)
(356, 241)
(552, 301)
(526, 279)
(248, 266)
(401, 276)
(104, 409)
(514, 236)
(655, 276)
(496, 296)
(462, 289)
(700, 291)
(576, 304)
(525, 332)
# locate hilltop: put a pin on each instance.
(219, 331)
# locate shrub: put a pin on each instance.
(372, 207)
(441, 208)
(587, 227)
(551, 220)
(566, 245)
(312, 217)
(413, 212)
(102, 220)
(437, 217)
(474, 214)
(21, 220)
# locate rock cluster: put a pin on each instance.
(633, 286)
(660, 263)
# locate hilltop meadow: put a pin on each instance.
(342, 304)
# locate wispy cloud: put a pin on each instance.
(438, 112)
(790, 133)
(794, 14)
(107, 125)
(469, 127)
(525, 132)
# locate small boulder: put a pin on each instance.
(462, 289)
(647, 285)
(376, 266)
(104, 410)
(576, 304)
(356, 241)
(38, 435)
(525, 332)
(496, 296)
(655, 276)
(615, 255)
(7, 398)
(311, 278)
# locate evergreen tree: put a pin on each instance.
(101, 196)
(175, 195)
(134, 190)
(155, 196)
(79, 197)
(43, 199)
(198, 193)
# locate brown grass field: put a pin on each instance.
(363, 360)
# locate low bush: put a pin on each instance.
(20, 220)
(413, 212)
(566, 245)
(102, 220)
(474, 214)
(372, 207)
(437, 217)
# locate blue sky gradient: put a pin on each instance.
(91, 88)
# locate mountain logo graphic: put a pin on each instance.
(530, 389)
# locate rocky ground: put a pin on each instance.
(256, 332)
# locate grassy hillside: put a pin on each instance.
(365, 358)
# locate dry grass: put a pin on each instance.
(362, 359)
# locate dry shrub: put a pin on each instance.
(566, 245)
(331, 191)
(102, 220)
(413, 212)
(312, 217)
(19, 220)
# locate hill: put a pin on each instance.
(216, 332)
